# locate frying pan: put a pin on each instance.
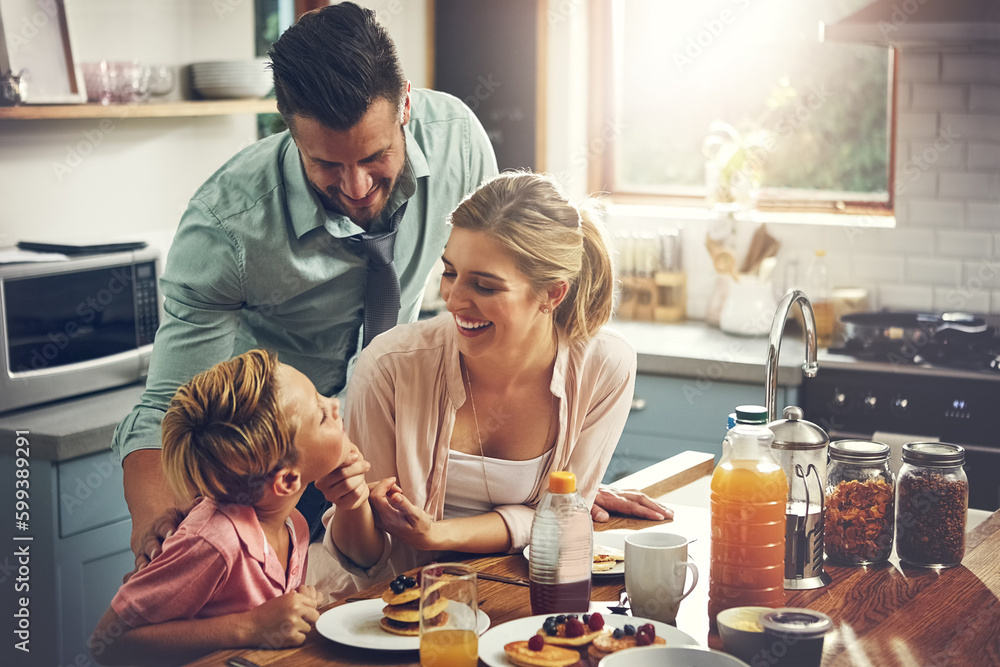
(875, 330)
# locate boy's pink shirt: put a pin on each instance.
(218, 562)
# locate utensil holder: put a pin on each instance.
(671, 296)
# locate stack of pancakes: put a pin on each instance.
(401, 615)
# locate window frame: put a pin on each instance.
(602, 124)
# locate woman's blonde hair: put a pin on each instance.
(552, 240)
(225, 434)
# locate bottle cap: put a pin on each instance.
(562, 481)
(933, 454)
(751, 414)
(789, 622)
(859, 451)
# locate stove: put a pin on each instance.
(940, 392)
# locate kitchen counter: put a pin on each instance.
(71, 428)
(697, 350)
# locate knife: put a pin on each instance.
(502, 579)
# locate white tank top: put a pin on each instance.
(510, 482)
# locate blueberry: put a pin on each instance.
(396, 587)
(586, 618)
(409, 582)
(561, 618)
(629, 630)
(551, 630)
(617, 634)
(571, 616)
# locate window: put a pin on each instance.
(737, 101)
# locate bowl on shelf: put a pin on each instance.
(232, 79)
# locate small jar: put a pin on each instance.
(794, 637)
(860, 496)
(932, 502)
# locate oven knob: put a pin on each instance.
(869, 401)
(900, 405)
(839, 399)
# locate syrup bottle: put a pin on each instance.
(560, 560)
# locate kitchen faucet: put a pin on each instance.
(809, 367)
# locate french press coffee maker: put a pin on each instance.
(800, 448)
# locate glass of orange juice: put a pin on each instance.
(448, 616)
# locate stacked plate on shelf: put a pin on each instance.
(232, 78)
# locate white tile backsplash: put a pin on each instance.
(982, 273)
(930, 270)
(975, 68)
(917, 125)
(982, 186)
(905, 297)
(972, 127)
(939, 96)
(941, 155)
(956, 298)
(934, 213)
(984, 98)
(919, 66)
(979, 215)
(867, 269)
(984, 156)
(963, 244)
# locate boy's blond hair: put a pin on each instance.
(225, 434)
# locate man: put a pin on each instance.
(275, 249)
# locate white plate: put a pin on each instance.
(491, 644)
(670, 656)
(610, 543)
(357, 624)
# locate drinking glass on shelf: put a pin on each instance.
(448, 616)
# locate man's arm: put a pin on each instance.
(149, 500)
(203, 295)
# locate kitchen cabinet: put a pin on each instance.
(78, 550)
(673, 414)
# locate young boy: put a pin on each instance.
(247, 435)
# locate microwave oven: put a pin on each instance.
(76, 326)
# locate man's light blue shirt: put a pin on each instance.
(258, 262)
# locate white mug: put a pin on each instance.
(656, 566)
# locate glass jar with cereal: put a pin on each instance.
(860, 495)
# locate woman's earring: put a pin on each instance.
(545, 310)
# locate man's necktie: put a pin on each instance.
(382, 287)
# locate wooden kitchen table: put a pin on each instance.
(883, 616)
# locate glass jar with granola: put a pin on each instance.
(931, 506)
(860, 495)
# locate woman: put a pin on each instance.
(469, 411)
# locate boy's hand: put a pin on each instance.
(345, 486)
(284, 621)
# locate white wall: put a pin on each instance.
(124, 176)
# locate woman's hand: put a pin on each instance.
(629, 502)
(345, 486)
(284, 621)
(396, 515)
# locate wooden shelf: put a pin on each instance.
(165, 110)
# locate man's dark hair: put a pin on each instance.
(332, 64)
